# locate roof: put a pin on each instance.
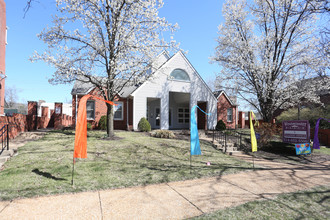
(83, 88)
(232, 99)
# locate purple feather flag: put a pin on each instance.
(316, 143)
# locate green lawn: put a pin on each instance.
(309, 204)
(44, 167)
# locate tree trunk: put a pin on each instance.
(110, 130)
(267, 112)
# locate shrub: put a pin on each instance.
(103, 123)
(267, 132)
(220, 126)
(89, 126)
(162, 134)
(144, 125)
(310, 114)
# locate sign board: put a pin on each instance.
(296, 131)
(303, 149)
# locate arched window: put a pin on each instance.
(179, 74)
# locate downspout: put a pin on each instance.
(127, 119)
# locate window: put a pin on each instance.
(90, 108)
(118, 111)
(157, 117)
(179, 74)
(183, 115)
(230, 115)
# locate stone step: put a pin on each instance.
(234, 153)
(9, 152)
(229, 149)
(3, 159)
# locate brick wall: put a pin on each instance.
(241, 119)
(22, 123)
(324, 136)
(101, 109)
(222, 106)
(17, 124)
(3, 29)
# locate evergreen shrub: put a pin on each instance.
(220, 126)
(103, 123)
(144, 125)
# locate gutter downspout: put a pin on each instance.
(127, 119)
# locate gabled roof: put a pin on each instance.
(83, 88)
(218, 93)
(189, 64)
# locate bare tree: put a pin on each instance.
(11, 97)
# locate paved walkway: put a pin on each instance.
(175, 200)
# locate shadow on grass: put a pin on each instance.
(47, 175)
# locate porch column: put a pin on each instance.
(164, 109)
(139, 110)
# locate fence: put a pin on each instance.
(229, 137)
(324, 136)
(4, 137)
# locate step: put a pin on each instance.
(3, 159)
(234, 153)
(9, 152)
(229, 149)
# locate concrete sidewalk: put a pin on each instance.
(175, 200)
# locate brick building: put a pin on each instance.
(164, 100)
(227, 109)
(3, 42)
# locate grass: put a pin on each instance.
(310, 204)
(44, 167)
(286, 153)
(323, 150)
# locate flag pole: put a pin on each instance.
(73, 162)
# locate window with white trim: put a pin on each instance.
(90, 108)
(183, 115)
(118, 111)
(179, 74)
(229, 114)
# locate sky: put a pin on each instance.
(198, 21)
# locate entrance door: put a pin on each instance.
(201, 117)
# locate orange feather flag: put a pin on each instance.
(80, 142)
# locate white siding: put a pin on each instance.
(160, 86)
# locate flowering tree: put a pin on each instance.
(109, 43)
(267, 48)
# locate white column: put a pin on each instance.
(164, 108)
(139, 110)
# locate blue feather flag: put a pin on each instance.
(195, 148)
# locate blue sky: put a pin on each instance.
(198, 21)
